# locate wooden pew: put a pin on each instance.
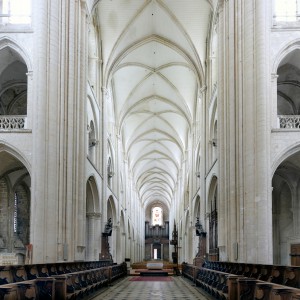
(263, 290)
(32, 271)
(9, 292)
(292, 277)
(189, 271)
(218, 284)
(264, 282)
(265, 273)
(79, 284)
(40, 288)
(57, 281)
(246, 288)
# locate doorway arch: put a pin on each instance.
(286, 210)
(15, 202)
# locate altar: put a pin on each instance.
(155, 265)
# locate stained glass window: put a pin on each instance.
(157, 216)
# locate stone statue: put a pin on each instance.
(199, 228)
(108, 228)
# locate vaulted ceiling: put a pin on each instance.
(153, 54)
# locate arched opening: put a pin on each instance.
(92, 141)
(157, 216)
(286, 211)
(15, 206)
(13, 93)
(156, 231)
(92, 219)
(288, 91)
(213, 220)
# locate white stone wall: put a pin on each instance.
(283, 144)
(65, 94)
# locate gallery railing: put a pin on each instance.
(289, 121)
(12, 122)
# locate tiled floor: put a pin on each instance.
(178, 288)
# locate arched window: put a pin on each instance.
(110, 172)
(15, 11)
(13, 92)
(286, 10)
(92, 141)
(157, 216)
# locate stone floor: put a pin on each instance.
(177, 288)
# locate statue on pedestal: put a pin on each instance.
(105, 254)
(201, 255)
(108, 228)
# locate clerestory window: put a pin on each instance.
(157, 216)
(15, 12)
(286, 10)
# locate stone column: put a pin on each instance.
(223, 135)
(115, 242)
(79, 126)
(263, 194)
(92, 226)
(244, 131)
(105, 98)
(47, 212)
(30, 100)
(275, 121)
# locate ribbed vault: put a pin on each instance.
(153, 55)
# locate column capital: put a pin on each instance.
(94, 215)
(29, 74)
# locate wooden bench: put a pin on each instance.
(265, 282)
(218, 284)
(189, 271)
(40, 288)
(284, 275)
(57, 281)
(15, 281)
(80, 284)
